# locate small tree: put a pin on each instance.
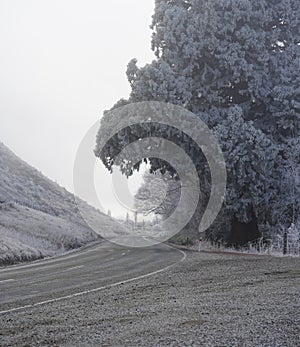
(159, 194)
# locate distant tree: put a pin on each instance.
(159, 194)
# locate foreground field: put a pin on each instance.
(206, 300)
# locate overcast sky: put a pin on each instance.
(62, 63)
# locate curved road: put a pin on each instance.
(93, 268)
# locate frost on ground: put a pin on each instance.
(28, 234)
(38, 218)
(208, 300)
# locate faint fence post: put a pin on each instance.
(285, 242)
(199, 245)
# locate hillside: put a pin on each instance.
(38, 218)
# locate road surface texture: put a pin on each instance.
(205, 299)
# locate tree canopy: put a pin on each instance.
(235, 64)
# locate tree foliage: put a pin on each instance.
(235, 64)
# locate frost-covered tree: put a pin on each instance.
(219, 53)
(159, 194)
(250, 159)
(210, 57)
(286, 203)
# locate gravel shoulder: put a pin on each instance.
(207, 300)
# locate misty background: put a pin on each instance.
(63, 63)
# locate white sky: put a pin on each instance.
(62, 63)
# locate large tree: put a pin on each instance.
(213, 56)
(219, 53)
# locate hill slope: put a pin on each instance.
(38, 218)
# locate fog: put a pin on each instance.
(62, 63)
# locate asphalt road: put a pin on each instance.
(207, 300)
(91, 269)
